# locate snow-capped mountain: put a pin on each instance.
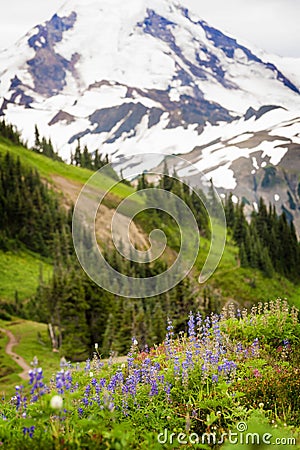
(151, 76)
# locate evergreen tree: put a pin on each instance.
(37, 142)
(142, 182)
(229, 212)
(77, 155)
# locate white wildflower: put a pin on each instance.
(56, 402)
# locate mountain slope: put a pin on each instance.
(20, 271)
(151, 75)
(254, 157)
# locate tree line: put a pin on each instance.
(10, 132)
(267, 241)
(30, 213)
(80, 312)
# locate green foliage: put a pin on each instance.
(201, 386)
(30, 215)
(151, 219)
(92, 161)
(9, 132)
(44, 146)
(270, 322)
(274, 388)
(49, 169)
(268, 243)
(20, 273)
(33, 340)
(260, 434)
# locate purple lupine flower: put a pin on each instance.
(216, 326)
(169, 338)
(176, 366)
(112, 384)
(228, 367)
(85, 401)
(189, 359)
(170, 327)
(239, 348)
(124, 407)
(191, 328)
(21, 401)
(285, 343)
(93, 382)
(145, 370)
(88, 390)
(29, 431)
(80, 411)
(207, 322)
(63, 381)
(168, 387)
(214, 378)
(103, 382)
(87, 365)
(137, 375)
(255, 347)
(156, 365)
(161, 379)
(199, 324)
(116, 379)
(154, 387)
(98, 388)
(111, 406)
(130, 360)
(207, 356)
(205, 331)
(36, 380)
(131, 385)
(74, 387)
(87, 393)
(214, 359)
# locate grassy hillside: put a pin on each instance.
(50, 169)
(233, 376)
(20, 271)
(232, 283)
(8, 369)
(33, 340)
